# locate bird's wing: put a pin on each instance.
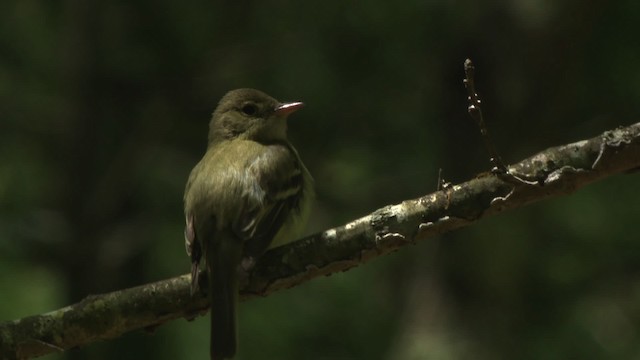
(193, 250)
(276, 191)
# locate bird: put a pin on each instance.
(249, 192)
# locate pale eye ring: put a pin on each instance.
(249, 109)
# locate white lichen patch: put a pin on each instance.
(330, 234)
(357, 223)
(400, 211)
(392, 236)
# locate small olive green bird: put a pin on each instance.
(250, 191)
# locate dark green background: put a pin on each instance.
(104, 108)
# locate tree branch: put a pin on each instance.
(553, 172)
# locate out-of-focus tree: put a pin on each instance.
(104, 108)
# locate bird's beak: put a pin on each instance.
(287, 109)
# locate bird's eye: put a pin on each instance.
(249, 109)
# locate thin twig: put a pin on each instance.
(475, 111)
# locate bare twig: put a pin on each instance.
(475, 111)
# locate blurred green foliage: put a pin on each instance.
(104, 109)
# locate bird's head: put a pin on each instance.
(250, 114)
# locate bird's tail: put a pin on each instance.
(223, 262)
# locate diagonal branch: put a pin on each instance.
(553, 172)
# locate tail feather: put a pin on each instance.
(223, 289)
